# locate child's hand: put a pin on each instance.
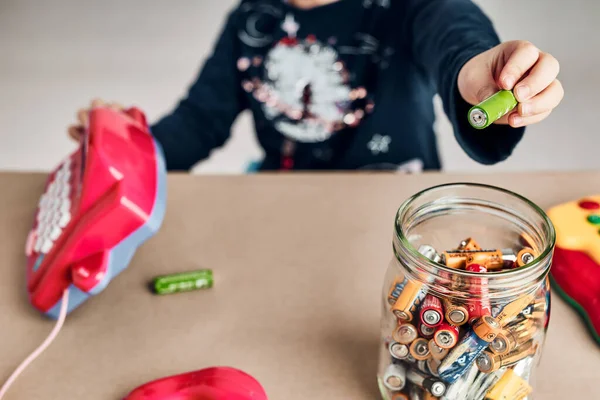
(517, 65)
(75, 131)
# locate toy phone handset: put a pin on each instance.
(99, 205)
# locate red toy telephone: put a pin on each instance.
(575, 272)
(99, 205)
(219, 383)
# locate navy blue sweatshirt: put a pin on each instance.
(348, 85)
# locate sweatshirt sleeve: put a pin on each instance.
(202, 120)
(443, 35)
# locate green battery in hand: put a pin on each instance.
(183, 282)
(492, 109)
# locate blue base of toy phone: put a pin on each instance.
(120, 256)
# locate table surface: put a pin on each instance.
(298, 262)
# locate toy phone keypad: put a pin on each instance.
(575, 272)
(99, 205)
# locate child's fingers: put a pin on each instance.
(548, 99)
(523, 57)
(540, 77)
(516, 121)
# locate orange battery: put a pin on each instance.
(399, 396)
(489, 362)
(486, 328)
(525, 256)
(469, 244)
(455, 314)
(428, 396)
(491, 259)
(419, 349)
(513, 336)
(512, 309)
(509, 387)
(437, 352)
(406, 306)
(396, 289)
(405, 333)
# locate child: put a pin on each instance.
(348, 84)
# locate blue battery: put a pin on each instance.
(461, 357)
(395, 293)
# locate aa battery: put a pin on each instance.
(508, 312)
(430, 252)
(486, 328)
(426, 331)
(461, 357)
(405, 333)
(396, 289)
(456, 314)
(433, 366)
(446, 335)
(484, 382)
(432, 313)
(488, 361)
(480, 305)
(409, 300)
(525, 256)
(399, 396)
(512, 336)
(398, 350)
(491, 259)
(509, 386)
(535, 311)
(419, 349)
(183, 282)
(469, 244)
(492, 109)
(394, 377)
(433, 386)
(437, 352)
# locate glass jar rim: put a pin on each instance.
(402, 238)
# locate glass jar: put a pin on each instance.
(466, 298)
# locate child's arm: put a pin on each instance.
(202, 120)
(447, 35)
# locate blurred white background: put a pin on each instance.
(56, 55)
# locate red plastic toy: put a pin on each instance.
(99, 205)
(218, 383)
(575, 272)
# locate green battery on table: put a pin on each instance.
(492, 109)
(182, 282)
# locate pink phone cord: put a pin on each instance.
(36, 353)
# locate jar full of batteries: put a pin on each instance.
(466, 297)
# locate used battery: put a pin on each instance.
(433, 366)
(437, 352)
(446, 335)
(512, 336)
(480, 304)
(492, 109)
(426, 331)
(455, 314)
(409, 300)
(487, 328)
(431, 311)
(488, 361)
(182, 282)
(405, 333)
(509, 386)
(430, 252)
(469, 244)
(525, 256)
(394, 377)
(399, 396)
(419, 349)
(433, 386)
(461, 357)
(491, 259)
(396, 289)
(507, 313)
(398, 350)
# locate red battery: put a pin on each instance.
(446, 335)
(426, 331)
(480, 305)
(432, 313)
